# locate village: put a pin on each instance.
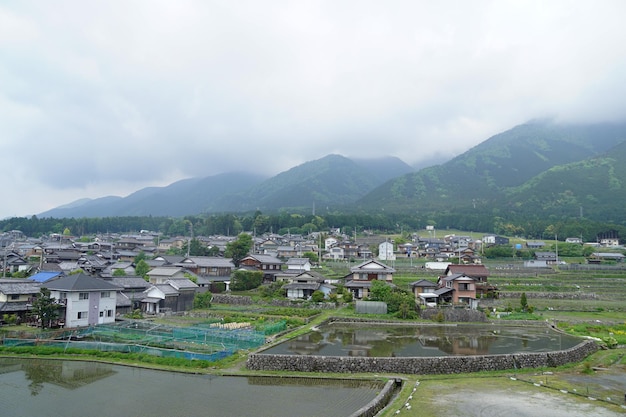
(95, 280)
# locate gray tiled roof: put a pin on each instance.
(81, 282)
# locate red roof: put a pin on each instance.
(471, 270)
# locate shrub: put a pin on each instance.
(202, 300)
(318, 296)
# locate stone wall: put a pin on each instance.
(419, 365)
(231, 299)
(372, 408)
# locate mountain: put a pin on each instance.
(333, 180)
(330, 181)
(594, 188)
(483, 175)
(189, 196)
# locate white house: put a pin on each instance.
(330, 242)
(298, 264)
(385, 252)
(87, 300)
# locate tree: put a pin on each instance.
(523, 302)
(142, 268)
(119, 272)
(202, 300)
(311, 256)
(318, 296)
(379, 291)
(246, 280)
(239, 248)
(45, 308)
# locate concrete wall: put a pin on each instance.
(419, 365)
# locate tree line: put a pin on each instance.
(232, 224)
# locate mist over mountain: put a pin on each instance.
(333, 180)
(482, 176)
(537, 167)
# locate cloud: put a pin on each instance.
(108, 97)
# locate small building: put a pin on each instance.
(458, 288)
(424, 291)
(268, 264)
(86, 300)
(305, 284)
(298, 265)
(385, 251)
(361, 276)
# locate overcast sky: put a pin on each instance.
(103, 98)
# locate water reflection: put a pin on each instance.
(77, 389)
(66, 374)
(405, 341)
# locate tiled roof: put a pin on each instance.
(81, 282)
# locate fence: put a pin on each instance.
(135, 336)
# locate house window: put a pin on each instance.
(82, 315)
(109, 313)
(102, 314)
(83, 296)
(465, 287)
(15, 296)
(105, 294)
(63, 296)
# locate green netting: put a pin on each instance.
(120, 347)
(126, 336)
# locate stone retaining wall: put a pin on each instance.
(419, 365)
(372, 408)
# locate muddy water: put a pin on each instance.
(68, 388)
(424, 341)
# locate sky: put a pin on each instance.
(104, 98)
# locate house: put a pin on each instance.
(336, 253)
(480, 273)
(596, 257)
(424, 290)
(361, 276)
(491, 240)
(210, 270)
(305, 284)
(93, 264)
(457, 289)
(179, 295)
(125, 267)
(548, 257)
(14, 262)
(288, 251)
(129, 298)
(161, 274)
(385, 251)
(86, 300)
(212, 266)
(152, 298)
(298, 265)
(16, 296)
(609, 241)
(535, 244)
(329, 243)
(268, 264)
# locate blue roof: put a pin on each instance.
(44, 276)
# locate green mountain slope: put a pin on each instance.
(330, 181)
(594, 188)
(484, 173)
